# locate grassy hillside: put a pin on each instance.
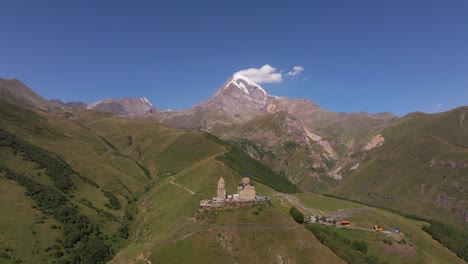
(172, 231)
(88, 186)
(131, 185)
(420, 170)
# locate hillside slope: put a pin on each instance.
(124, 183)
(420, 169)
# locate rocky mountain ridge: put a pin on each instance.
(242, 110)
(124, 106)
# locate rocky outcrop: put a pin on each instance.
(375, 142)
(449, 164)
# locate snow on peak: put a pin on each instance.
(144, 100)
(240, 81)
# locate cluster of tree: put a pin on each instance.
(84, 241)
(297, 215)
(114, 203)
(123, 230)
(454, 239)
(351, 251)
(144, 169)
(239, 161)
(55, 167)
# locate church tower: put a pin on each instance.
(245, 179)
(221, 194)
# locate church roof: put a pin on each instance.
(221, 180)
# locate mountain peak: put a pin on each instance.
(16, 92)
(245, 85)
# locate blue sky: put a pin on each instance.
(374, 56)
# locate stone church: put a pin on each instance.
(245, 190)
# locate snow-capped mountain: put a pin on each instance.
(239, 95)
(249, 88)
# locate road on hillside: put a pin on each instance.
(296, 202)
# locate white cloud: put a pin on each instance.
(269, 74)
(438, 106)
(296, 71)
(266, 74)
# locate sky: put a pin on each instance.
(345, 56)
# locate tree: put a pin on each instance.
(297, 215)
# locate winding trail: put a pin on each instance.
(185, 188)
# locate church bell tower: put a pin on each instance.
(221, 194)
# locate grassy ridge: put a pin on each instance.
(56, 168)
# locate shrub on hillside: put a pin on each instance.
(454, 239)
(297, 215)
(351, 251)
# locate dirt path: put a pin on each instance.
(185, 188)
(144, 258)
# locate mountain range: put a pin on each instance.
(132, 169)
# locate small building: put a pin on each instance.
(310, 219)
(345, 223)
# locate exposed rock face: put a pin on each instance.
(449, 163)
(325, 144)
(377, 141)
(124, 106)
